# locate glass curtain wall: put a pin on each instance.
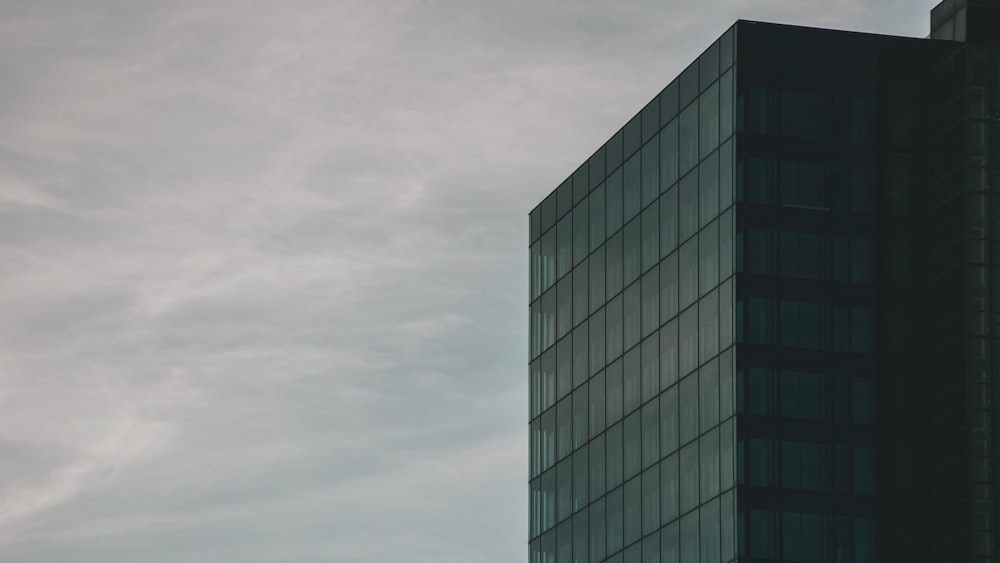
(632, 315)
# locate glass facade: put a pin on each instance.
(761, 314)
(633, 444)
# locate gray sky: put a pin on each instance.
(263, 265)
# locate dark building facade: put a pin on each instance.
(762, 313)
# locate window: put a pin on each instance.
(708, 177)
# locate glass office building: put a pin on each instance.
(761, 314)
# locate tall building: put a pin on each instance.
(765, 314)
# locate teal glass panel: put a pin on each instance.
(613, 467)
(865, 540)
(864, 471)
(597, 267)
(564, 489)
(761, 321)
(708, 130)
(651, 548)
(805, 395)
(616, 520)
(688, 408)
(598, 530)
(650, 237)
(581, 293)
(763, 534)
(632, 315)
(806, 537)
(548, 547)
(633, 510)
(598, 474)
(726, 52)
(613, 265)
(564, 239)
(708, 395)
(598, 332)
(726, 91)
(726, 240)
(598, 221)
(631, 381)
(548, 487)
(726, 169)
(708, 190)
(613, 321)
(632, 192)
(669, 287)
(650, 349)
(726, 390)
(727, 536)
(690, 538)
(632, 252)
(669, 155)
(613, 381)
(564, 301)
(862, 330)
(564, 425)
(757, 115)
(581, 232)
(669, 488)
(650, 302)
(688, 210)
(762, 462)
(862, 400)
(688, 273)
(651, 500)
(632, 444)
(708, 66)
(614, 204)
(535, 273)
(688, 82)
(805, 466)
(580, 353)
(581, 412)
(669, 424)
(688, 138)
(597, 407)
(564, 197)
(581, 469)
(709, 465)
(632, 554)
(670, 543)
(668, 354)
(547, 385)
(761, 392)
(650, 433)
(726, 316)
(650, 172)
(688, 341)
(564, 367)
(669, 221)
(708, 260)
(727, 459)
(581, 539)
(711, 533)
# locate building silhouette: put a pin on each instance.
(765, 314)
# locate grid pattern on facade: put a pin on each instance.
(632, 365)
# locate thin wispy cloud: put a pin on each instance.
(263, 267)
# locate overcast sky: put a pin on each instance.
(263, 265)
